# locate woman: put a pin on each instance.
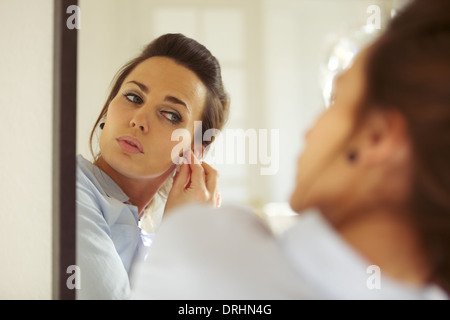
(172, 83)
(376, 166)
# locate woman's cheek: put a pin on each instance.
(180, 141)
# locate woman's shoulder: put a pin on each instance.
(91, 179)
(86, 182)
(99, 197)
(84, 170)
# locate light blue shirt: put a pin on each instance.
(108, 234)
(231, 254)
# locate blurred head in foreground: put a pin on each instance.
(378, 160)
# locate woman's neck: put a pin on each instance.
(140, 191)
(387, 240)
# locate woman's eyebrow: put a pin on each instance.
(171, 99)
(175, 100)
(141, 86)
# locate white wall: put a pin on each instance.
(295, 37)
(26, 57)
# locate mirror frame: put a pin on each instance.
(64, 151)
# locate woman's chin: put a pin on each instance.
(301, 200)
(296, 204)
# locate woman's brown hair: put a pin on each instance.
(408, 69)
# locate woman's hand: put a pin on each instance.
(194, 182)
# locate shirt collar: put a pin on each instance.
(105, 183)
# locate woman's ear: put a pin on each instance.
(203, 150)
(198, 151)
(384, 139)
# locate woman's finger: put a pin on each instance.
(197, 173)
(212, 184)
(181, 178)
(218, 200)
(211, 178)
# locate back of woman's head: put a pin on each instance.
(408, 70)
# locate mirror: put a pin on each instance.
(270, 51)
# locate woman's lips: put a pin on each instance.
(130, 144)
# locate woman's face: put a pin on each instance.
(322, 169)
(156, 98)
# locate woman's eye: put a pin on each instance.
(134, 98)
(172, 117)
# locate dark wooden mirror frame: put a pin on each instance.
(64, 150)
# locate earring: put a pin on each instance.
(352, 156)
(102, 125)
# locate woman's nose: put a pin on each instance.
(140, 120)
(140, 126)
